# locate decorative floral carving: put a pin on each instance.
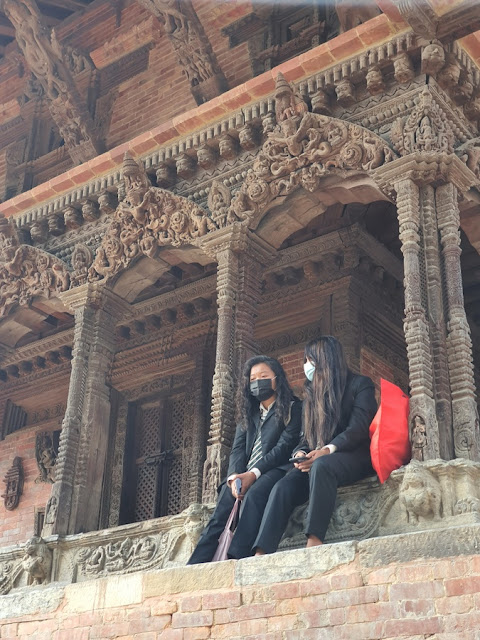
(302, 149)
(148, 218)
(26, 272)
(425, 129)
(13, 485)
(123, 556)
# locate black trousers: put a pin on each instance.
(319, 486)
(251, 512)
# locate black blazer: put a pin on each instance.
(358, 410)
(278, 441)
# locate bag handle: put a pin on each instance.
(233, 517)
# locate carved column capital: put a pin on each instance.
(423, 168)
(238, 238)
(96, 295)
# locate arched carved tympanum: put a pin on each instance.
(26, 272)
(302, 149)
(146, 220)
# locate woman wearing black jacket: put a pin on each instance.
(334, 449)
(269, 428)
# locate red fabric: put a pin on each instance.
(390, 443)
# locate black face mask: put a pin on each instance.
(261, 389)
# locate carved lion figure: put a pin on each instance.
(37, 561)
(420, 493)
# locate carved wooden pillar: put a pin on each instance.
(240, 256)
(75, 501)
(417, 335)
(438, 339)
(459, 343)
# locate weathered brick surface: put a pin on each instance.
(348, 602)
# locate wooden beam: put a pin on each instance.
(68, 5)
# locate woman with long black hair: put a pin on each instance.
(334, 448)
(268, 429)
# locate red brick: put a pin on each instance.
(191, 603)
(423, 626)
(222, 600)
(461, 586)
(196, 619)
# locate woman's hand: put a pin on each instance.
(306, 465)
(247, 479)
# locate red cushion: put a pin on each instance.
(390, 443)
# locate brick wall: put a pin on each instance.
(18, 525)
(345, 591)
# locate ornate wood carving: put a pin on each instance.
(49, 62)
(46, 452)
(420, 363)
(192, 48)
(26, 272)
(462, 383)
(241, 258)
(148, 218)
(13, 485)
(303, 148)
(76, 494)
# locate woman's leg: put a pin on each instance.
(208, 543)
(326, 475)
(289, 492)
(251, 513)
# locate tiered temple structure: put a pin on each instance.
(183, 184)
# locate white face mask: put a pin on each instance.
(309, 370)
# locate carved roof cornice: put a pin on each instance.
(184, 136)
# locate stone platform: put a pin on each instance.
(414, 585)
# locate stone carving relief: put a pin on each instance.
(145, 220)
(46, 452)
(26, 272)
(121, 557)
(425, 129)
(420, 493)
(303, 148)
(13, 485)
(37, 561)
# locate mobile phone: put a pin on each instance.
(299, 459)
(238, 485)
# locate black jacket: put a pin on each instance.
(278, 441)
(358, 410)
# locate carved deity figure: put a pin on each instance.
(46, 451)
(420, 493)
(37, 561)
(51, 510)
(419, 438)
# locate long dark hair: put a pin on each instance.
(247, 405)
(323, 395)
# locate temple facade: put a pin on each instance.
(184, 184)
